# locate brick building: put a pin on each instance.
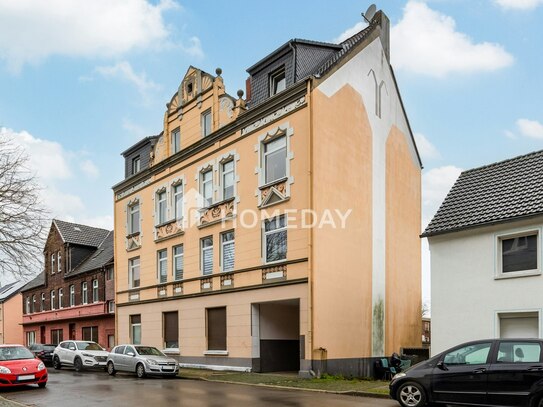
(73, 298)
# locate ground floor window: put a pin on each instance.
(56, 336)
(518, 324)
(135, 329)
(30, 338)
(216, 328)
(90, 333)
(171, 329)
(110, 341)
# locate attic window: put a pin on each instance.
(278, 81)
(189, 88)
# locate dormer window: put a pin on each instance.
(278, 81)
(136, 165)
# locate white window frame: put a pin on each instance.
(111, 307)
(72, 295)
(205, 131)
(176, 140)
(131, 212)
(52, 298)
(30, 338)
(132, 326)
(42, 304)
(59, 261)
(161, 198)
(174, 262)
(136, 165)
(27, 306)
(265, 235)
(53, 263)
(95, 292)
(203, 250)
(207, 201)
(131, 267)
(84, 293)
(266, 153)
(33, 308)
(223, 177)
(499, 274)
(281, 71)
(225, 243)
(162, 263)
(520, 313)
(60, 298)
(178, 191)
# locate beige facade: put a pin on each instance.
(11, 314)
(323, 155)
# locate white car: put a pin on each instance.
(80, 355)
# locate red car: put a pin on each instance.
(19, 367)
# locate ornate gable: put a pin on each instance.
(194, 83)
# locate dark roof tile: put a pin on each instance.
(80, 234)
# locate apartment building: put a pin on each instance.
(73, 298)
(277, 231)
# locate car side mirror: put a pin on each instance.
(71, 348)
(131, 354)
(441, 365)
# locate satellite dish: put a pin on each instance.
(370, 12)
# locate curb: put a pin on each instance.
(353, 393)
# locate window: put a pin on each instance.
(519, 253)
(33, 309)
(90, 333)
(59, 262)
(178, 201)
(111, 307)
(171, 329)
(134, 218)
(134, 272)
(72, 295)
(278, 81)
(518, 324)
(162, 266)
(468, 355)
(178, 265)
(519, 352)
(56, 336)
(109, 274)
(52, 299)
(42, 305)
(206, 246)
(227, 251)
(275, 159)
(176, 141)
(53, 265)
(275, 239)
(206, 187)
(136, 165)
(94, 290)
(206, 123)
(60, 296)
(84, 293)
(227, 174)
(135, 329)
(216, 328)
(30, 338)
(27, 306)
(110, 341)
(161, 207)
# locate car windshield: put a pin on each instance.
(88, 346)
(148, 351)
(15, 353)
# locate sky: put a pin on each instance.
(81, 81)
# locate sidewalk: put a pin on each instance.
(330, 384)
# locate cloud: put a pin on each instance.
(124, 71)
(518, 4)
(426, 149)
(31, 31)
(426, 42)
(134, 128)
(436, 183)
(89, 169)
(104, 222)
(193, 48)
(530, 128)
(349, 32)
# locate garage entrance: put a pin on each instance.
(276, 336)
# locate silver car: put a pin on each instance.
(142, 360)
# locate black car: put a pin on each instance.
(43, 351)
(493, 372)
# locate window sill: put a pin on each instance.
(214, 204)
(133, 235)
(517, 274)
(216, 353)
(272, 183)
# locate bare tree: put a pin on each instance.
(425, 309)
(22, 215)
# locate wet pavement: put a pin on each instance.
(97, 388)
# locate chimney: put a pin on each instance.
(248, 89)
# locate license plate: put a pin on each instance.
(167, 368)
(26, 377)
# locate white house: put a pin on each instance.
(485, 244)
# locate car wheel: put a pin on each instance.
(56, 363)
(140, 371)
(411, 394)
(42, 385)
(111, 369)
(78, 365)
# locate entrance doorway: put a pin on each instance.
(42, 334)
(71, 329)
(276, 335)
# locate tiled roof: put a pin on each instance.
(102, 256)
(80, 234)
(38, 281)
(499, 192)
(9, 290)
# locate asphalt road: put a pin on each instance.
(97, 388)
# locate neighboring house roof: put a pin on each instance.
(500, 192)
(80, 234)
(9, 290)
(38, 281)
(102, 256)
